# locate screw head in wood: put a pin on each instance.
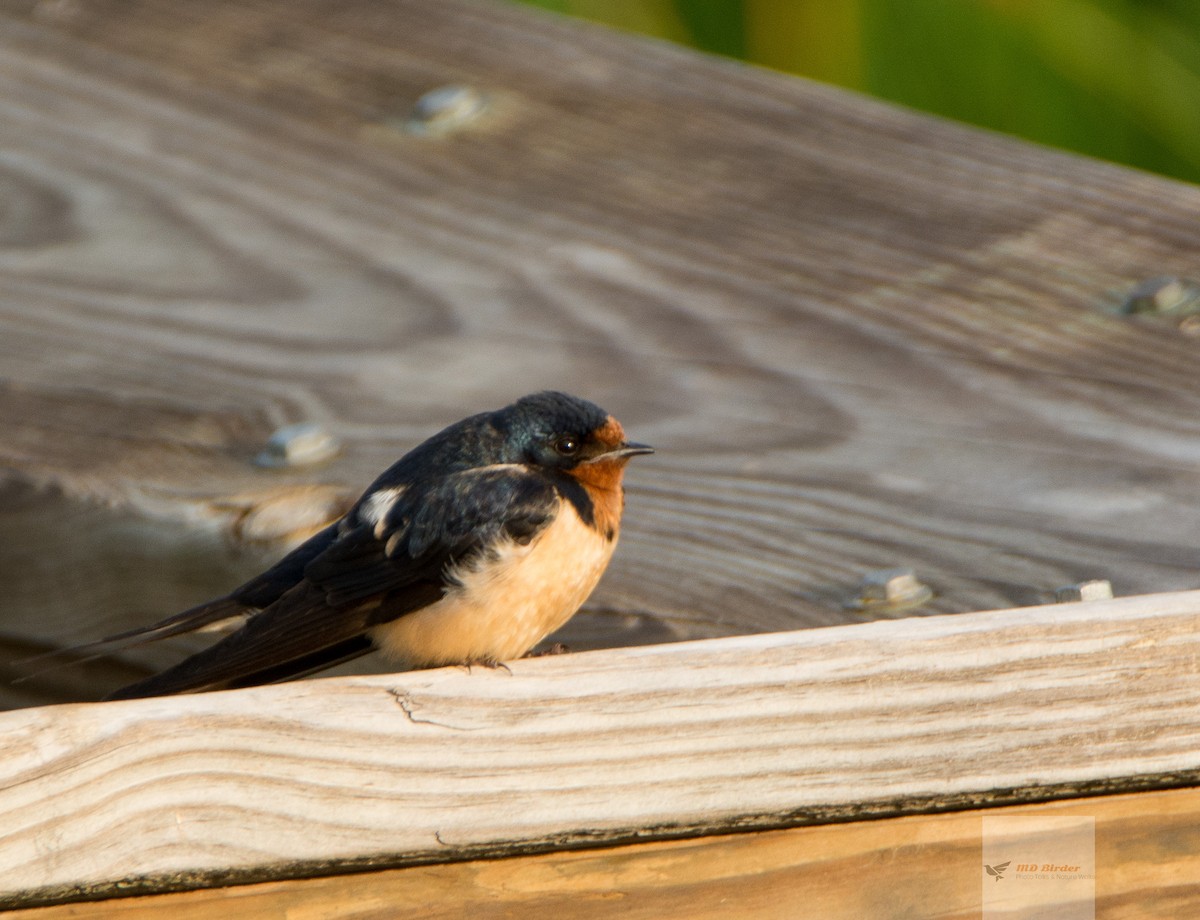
(1099, 589)
(1163, 295)
(891, 590)
(302, 444)
(446, 109)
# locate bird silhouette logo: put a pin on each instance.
(997, 871)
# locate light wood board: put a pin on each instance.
(607, 747)
(1147, 862)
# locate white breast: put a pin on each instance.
(507, 603)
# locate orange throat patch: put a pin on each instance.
(602, 481)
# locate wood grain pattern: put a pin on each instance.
(860, 338)
(915, 868)
(608, 747)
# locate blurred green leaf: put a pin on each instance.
(716, 25)
(815, 38)
(660, 18)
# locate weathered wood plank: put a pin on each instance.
(914, 868)
(818, 726)
(860, 338)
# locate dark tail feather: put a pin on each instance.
(189, 620)
(194, 674)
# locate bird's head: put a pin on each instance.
(562, 432)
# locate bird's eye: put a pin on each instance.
(566, 445)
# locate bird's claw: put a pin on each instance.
(558, 648)
(490, 663)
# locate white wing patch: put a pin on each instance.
(375, 507)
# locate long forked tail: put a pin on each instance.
(296, 636)
(189, 676)
(202, 616)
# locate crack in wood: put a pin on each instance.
(404, 699)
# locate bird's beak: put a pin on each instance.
(626, 449)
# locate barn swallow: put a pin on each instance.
(470, 549)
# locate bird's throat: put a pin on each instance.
(601, 479)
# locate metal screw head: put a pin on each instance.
(446, 109)
(1163, 295)
(891, 589)
(302, 444)
(1098, 589)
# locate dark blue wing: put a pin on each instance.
(430, 527)
(367, 574)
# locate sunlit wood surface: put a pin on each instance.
(916, 868)
(610, 747)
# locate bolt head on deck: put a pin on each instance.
(446, 109)
(302, 444)
(1099, 589)
(891, 590)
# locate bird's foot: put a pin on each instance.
(490, 663)
(557, 648)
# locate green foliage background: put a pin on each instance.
(1117, 79)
